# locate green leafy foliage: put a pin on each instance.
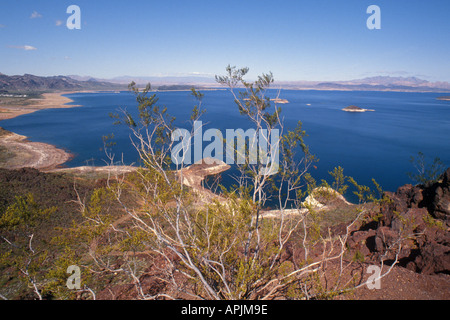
(20, 250)
(23, 215)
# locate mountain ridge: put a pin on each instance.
(32, 83)
(376, 83)
(28, 82)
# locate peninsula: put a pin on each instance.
(24, 94)
(16, 150)
(17, 106)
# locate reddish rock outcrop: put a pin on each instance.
(418, 217)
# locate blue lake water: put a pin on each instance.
(367, 145)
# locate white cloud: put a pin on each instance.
(35, 15)
(26, 47)
(59, 23)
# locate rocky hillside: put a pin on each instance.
(419, 217)
(31, 83)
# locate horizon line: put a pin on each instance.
(212, 77)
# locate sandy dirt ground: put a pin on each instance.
(50, 101)
(27, 154)
(193, 176)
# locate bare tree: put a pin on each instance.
(228, 247)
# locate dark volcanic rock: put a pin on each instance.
(437, 198)
(441, 202)
(362, 241)
(417, 217)
(410, 195)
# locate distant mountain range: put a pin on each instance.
(29, 82)
(379, 83)
(155, 81)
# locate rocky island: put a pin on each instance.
(445, 98)
(275, 100)
(279, 100)
(353, 108)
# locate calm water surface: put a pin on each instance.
(367, 145)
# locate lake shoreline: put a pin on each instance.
(23, 153)
(54, 100)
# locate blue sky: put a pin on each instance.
(296, 40)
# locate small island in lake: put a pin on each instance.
(445, 98)
(279, 100)
(276, 100)
(353, 108)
